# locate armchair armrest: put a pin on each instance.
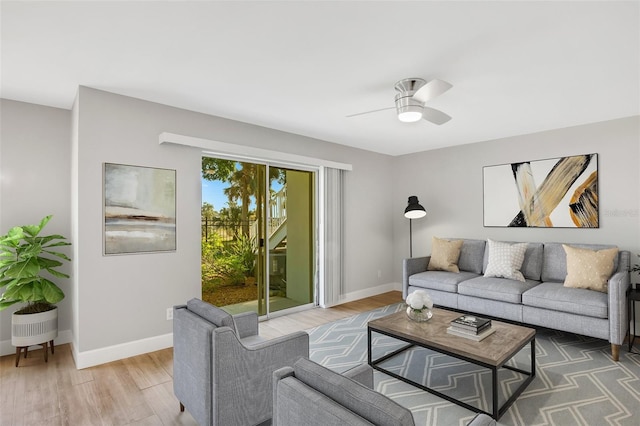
(246, 324)
(412, 266)
(279, 374)
(619, 285)
(482, 419)
(297, 338)
(362, 374)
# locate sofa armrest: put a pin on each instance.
(482, 419)
(619, 286)
(412, 266)
(362, 374)
(246, 324)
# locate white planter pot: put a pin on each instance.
(34, 329)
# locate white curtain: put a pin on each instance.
(331, 271)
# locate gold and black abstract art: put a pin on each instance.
(560, 192)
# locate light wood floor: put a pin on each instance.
(133, 391)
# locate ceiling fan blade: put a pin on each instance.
(369, 112)
(435, 116)
(431, 90)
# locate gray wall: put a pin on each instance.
(35, 176)
(124, 298)
(448, 183)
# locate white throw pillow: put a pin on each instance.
(505, 260)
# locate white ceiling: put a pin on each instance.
(300, 66)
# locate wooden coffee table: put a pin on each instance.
(492, 352)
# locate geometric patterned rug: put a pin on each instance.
(576, 383)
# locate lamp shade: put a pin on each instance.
(414, 210)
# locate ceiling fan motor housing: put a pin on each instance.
(408, 108)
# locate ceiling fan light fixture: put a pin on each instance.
(411, 97)
(409, 110)
(410, 113)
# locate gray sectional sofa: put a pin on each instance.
(541, 300)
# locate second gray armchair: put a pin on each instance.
(312, 395)
(222, 368)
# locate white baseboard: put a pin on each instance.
(113, 353)
(368, 292)
(64, 336)
(124, 350)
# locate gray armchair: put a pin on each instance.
(312, 395)
(222, 369)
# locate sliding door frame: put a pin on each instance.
(238, 152)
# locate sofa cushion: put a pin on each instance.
(440, 280)
(444, 255)
(554, 267)
(500, 289)
(505, 260)
(471, 255)
(590, 269)
(555, 296)
(532, 263)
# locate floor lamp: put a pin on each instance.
(413, 211)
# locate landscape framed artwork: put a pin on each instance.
(139, 209)
(557, 192)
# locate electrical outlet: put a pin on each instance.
(379, 274)
(169, 314)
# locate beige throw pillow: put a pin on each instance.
(590, 269)
(444, 255)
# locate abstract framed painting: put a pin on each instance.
(139, 209)
(557, 192)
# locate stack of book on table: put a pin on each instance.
(471, 327)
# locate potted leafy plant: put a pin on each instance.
(24, 256)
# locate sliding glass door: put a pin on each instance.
(291, 239)
(258, 236)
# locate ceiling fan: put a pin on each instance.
(410, 101)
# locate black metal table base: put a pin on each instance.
(497, 411)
